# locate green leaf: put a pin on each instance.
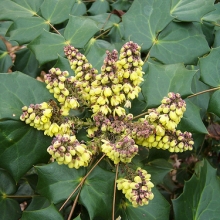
(57, 182)
(158, 169)
(7, 184)
(201, 100)
(105, 21)
(209, 67)
(23, 8)
(17, 138)
(97, 193)
(145, 19)
(191, 120)
(26, 63)
(99, 7)
(32, 27)
(56, 11)
(47, 213)
(217, 39)
(121, 5)
(47, 46)
(4, 26)
(191, 10)
(179, 42)
(79, 8)
(5, 59)
(37, 203)
(162, 79)
(200, 198)
(9, 209)
(116, 33)
(79, 30)
(95, 52)
(21, 147)
(63, 64)
(214, 16)
(214, 105)
(158, 209)
(17, 90)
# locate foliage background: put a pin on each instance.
(180, 42)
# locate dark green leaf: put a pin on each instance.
(64, 65)
(158, 169)
(116, 33)
(96, 52)
(99, 7)
(17, 90)
(57, 182)
(191, 120)
(5, 59)
(9, 209)
(78, 9)
(217, 39)
(214, 104)
(145, 19)
(46, 213)
(79, 30)
(24, 30)
(200, 198)
(209, 67)
(201, 100)
(21, 147)
(23, 8)
(7, 184)
(97, 192)
(105, 21)
(37, 203)
(121, 5)
(26, 63)
(191, 10)
(77, 218)
(56, 11)
(179, 42)
(157, 209)
(47, 46)
(162, 79)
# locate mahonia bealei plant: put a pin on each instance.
(111, 128)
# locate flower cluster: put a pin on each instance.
(137, 190)
(165, 119)
(118, 82)
(63, 89)
(111, 129)
(66, 149)
(120, 151)
(46, 117)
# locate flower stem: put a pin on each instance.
(114, 195)
(205, 91)
(81, 183)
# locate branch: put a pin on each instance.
(199, 93)
(114, 195)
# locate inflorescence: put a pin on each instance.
(111, 128)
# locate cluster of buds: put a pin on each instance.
(46, 117)
(117, 83)
(137, 190)
(63, 89)
(120, 151)
(66, 149)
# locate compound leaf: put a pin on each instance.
(200, 197)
